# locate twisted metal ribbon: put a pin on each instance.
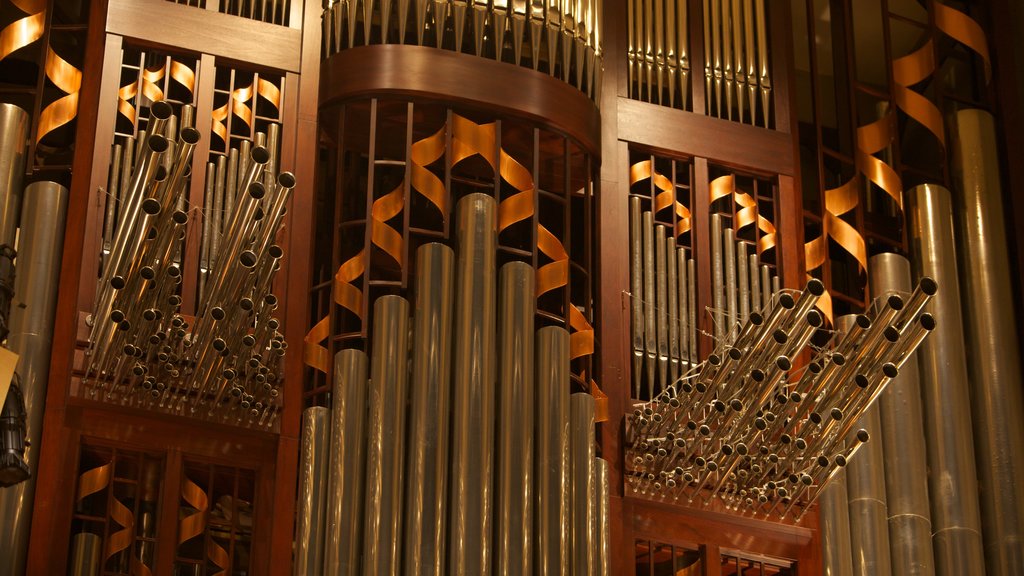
(748, 213)
(872, 139)
(63, 110)
(963, 29)
(219, 556)
(238, 104)
(149, 78)
(121, 539)
(838, 201)
(23, 31)
(666, 194)
(194, 524)
(92, 481)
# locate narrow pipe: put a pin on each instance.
(834, 515)
(40, 246)
(766, 287)
(582, 450)
(661, 277)
(602, 534)
(650, 322)
(473, 382)
(685, 346)
(217, 217)
(755, 283)
(347, 464)
(743, 282)
(385, 451)
(113, 188)
(906, 478)
(514, 508)
(14, 125)
(717, 279)
(427, 478)
(672, 295)
(636, 283)
(953, 484)
(552, 462)
(691, 288)
(729, 263)
(85, 554)
(309, 529)
(995, 368)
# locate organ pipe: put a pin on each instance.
(309, 529)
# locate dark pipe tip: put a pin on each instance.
(149, 315)
(823, 461)
(861, 380)
(124, 326)
(814, 318)
(702, 387)
(116, 316)
(815, 417)
(229, 374)
(773, 458)
(781, 398)
(780, 336)
(783, 492)
(793, 478)
(735, 353)
(863, 321)
(147, 272)
(273, 323)
(680, 443)
(687, 387)
(160, 109)
(246, 304)
(117, 283)
(862, 435)
(928, 285)
(741, 449)
(151, 206)
(836, 414)
(770, 485)
(783, 363)
(157, 143)
(785, 439)
(927, 321)
(815, 367)
(840, 460)
(275, 251)
(673, 402)
(760, 424)
(795, 397)
(700, 461)
(895, 301)
(838, 359)
(892, 334)
(715, 360)
(220, 345)
(286, 179)
(815, 287)
(727, 449)
(806, 479)
(218, 313)
(757, 375)
(161, 174)
(712, 466)
(271, 300)
(704, 430)
(260, 154)
(756, 318)
(736, 405)
(687, 477)
(179, 217)
(786, 300)
(719, 406)
(248, 258)
(257, 191)
(890, 370)
(189, 135)
(801, 444)
(691, 425)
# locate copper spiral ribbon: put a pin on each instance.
(23, 31)
(194, 524)
(872, 139)
(314, 354)
(838, 201)
(64, 109)
(748, 213)
(963, 29)
(665, 197)
(908, 71)
(381, 233)
(121, 539)
(424, 153)
(92, 481)
(219, 556)
(150, 89)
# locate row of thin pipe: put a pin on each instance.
(561, 37)
(470, 457)
(740, 283)
(658, 52)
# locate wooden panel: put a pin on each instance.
(722, 142)
(167, 24)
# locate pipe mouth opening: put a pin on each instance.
(894, 301)
(838, 359)
(861, 380)
(180, 217)
(892, 334)
(863, 321)
(757, 375)
(801, 444)
(841, 461)
(736, 405)
(783, 363)
(735, 353)
(890, 370)
(257, 191)
(260, 154)
(189, 135)
(286, 179)
(863, 435)
(814, 318)
(247, 258)
(823, 461)
(756, 318)
(157, 143)
(161, 109)
(151, 206)
(815, 287)
(780, 336)
(927, 321)
(786, 300)
(928, 285)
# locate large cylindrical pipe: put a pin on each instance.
(44, 205)
(347, 464)
(906, 466)
(995, 368)
(602, 536)
(385, 449)
(953, 483)
(85, 554)
(309, 529)
(14, 124)
(582, 439)
(552, 450)
(427, 476)
(834, 515)
(473, 373)
(514, 510)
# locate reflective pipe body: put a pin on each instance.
(473, 374)
(14, 125)
(731, 300)
(310, 513)
(672, 295)
(347, 464)
(661, 277)
(650, 321)
(385, 437)
(636, 282)
(85, 554)
(683, 308)
(427, 474)
(514, 506)
(602, 535)
(40, 246)
(582, 449)
(906, 469)
(552, 511)
(953, 485)
(717, 279)
(995, 368)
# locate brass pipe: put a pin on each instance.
(764, 78)
(659, 49)
(767, 292)
(309, 529)
(671, 50)
(85, 554)
(744, 282)
(716, 51)
(217, 217)
(582, 475)
(755, 283)
(14, 127)
(230, 190)
(691, 279)
(727, 60)
(636, 283)
(113, 190)
(708, 59)
(553, 508)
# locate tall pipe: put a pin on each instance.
(582, 450)
(385, 437)
(473, 382)
(427, 478)
(636, 282)
(309, 529)
(347, 464)
(906, 468)
(865, 487)
(514, 509)
(729, 263)
(602, 536)
(717, 278)
(85, 554)
(40, 245)
(14, 124)
(995, 368)
(953, 484)
(673, 307)
(661, 277)
(650, 319)
(552, 450)
(834, 515)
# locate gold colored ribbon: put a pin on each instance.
(92, 481)
(908, 71)
(64, 109)
(838, 201)
(238, 104)
(219, 556)
(194, 524)
(150, 77)
(23, 31)
(666, 194)
(121, 539)
(872, 139)
(963, 29)
(747, 214)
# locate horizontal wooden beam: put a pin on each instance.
(158, 22)
(722, 142)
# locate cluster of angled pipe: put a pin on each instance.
(455, 447)
(748, 427)
(560, 37)
(225, 362)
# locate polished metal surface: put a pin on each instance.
(743, 281)
(602, 534)
(427, 475)
(953, 485)
(650, 301)
(685, 346)
(906, 466)
(85, 554)
(582, 450)
(834, 528)
(636, 283)
(347, 464)
(661, 305)
(385, 449)
(514, 482)
(14, 126)
(553, 508)
(992, 338)
(717, 280)
(672, 295)
(473, 398)
(731, 284)
(40, 245)
(310, 511)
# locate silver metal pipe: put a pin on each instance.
(309, 529)
(995, 368)
(636, 282)
(717, 277)
(691, 288)
(113, 188)
(347, 464)
(427, 477)
(684, 315)
(661, 277)
(672, 294)
(755, 283)
(552, 449)
(217, 217)
(85, 554)
(650, 321)
(834, 513)
(14, 126)
(385, 448)
(766, 287)
(602, 535)
(582, 439)
(514, 508)
(906, 467)
(743, 280)
(956, 518)
(473, 382)
(729, 263)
